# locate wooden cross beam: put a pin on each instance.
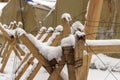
(36, 54)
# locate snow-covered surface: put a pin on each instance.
(104, 62)
(68, 41)
(103, 42)
(66, 16)
(77, 26)
(94, 74)
(47, 3)
(49, 52)
(2, 5)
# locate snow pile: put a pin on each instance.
(77, 26)
(42, 30)
(2, 5)
(50, 4)
(104, 62)
(59, 28)
(66, 16)
(57, 32)
(18, 31)
(68, 41)
(49, 52)
(50, 29)
(103, 42)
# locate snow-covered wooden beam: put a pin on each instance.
(103, 46)
(5, 34)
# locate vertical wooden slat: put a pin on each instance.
(56, 73)
(91, 26)
(66, 27)
(79, 68)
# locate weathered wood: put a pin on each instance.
(20, 50)
(57, 40)
(34, 72)
(104, 49)
(91, 27)
(5, 51)
(7, 55)
(17, 53)
(25, 59)
(66, 27)
(56, 73)
(80, 70)
(3, 47)
(68, 53)
(35, 51)
(5, 34)
(49, 35)
(24, 69)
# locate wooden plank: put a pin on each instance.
(80, 70)
(24, 69)
(35, 52)
(34, 72)
(68, 53)
(20, 50)
(3, 47)
(49, 35)
(57, 40)
(5, 34)
(7, 57)
(56, 73)
(66, 28)
(91, 27)
(17, 54)
(104, 49)
(24, 60)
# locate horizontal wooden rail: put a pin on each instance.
(104, 49)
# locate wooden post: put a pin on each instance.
(66, 27)
(79, 48)
(68, 53)
(91, 26)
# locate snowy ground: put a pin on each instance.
(94, 74)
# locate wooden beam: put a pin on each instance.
(24, 69)
(80, 69)
(91, 27)
(5, 34)
(36, 53)
(56, 73)
(34, 72)
(66, 27)
(104, 49)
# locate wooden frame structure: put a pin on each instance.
(77, 62)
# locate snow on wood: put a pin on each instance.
(50, 4)
(68, 41)
(2, 5)
(102, 42)
(77, 26)
(49, 52)
(59, 28)
(50, 29)
(66, 16)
